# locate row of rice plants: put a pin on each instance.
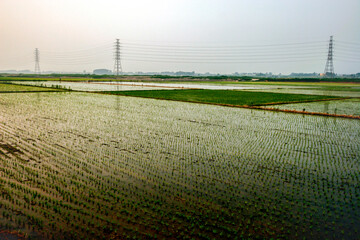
(147, 168)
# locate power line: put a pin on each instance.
(222, 46)
(85, 50)
(221, 62)
(204, 54)
(211, 51)
(348, 43)
(223, 55)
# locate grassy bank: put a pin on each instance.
(9, 88)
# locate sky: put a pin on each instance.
(216, 36)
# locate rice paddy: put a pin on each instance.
(78, 165)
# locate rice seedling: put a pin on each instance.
(81, 165)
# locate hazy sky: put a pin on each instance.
(218, 36)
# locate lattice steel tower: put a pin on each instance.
(329, 67)
(37, 61)
(117, 66)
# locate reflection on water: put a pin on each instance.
(88, 86)
(326, 107)
(325, 119)
(125, 86)
(339, 107)
(313, 92)
(117, 101)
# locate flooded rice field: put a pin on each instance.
(77, 165)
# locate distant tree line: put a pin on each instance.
(32, 77)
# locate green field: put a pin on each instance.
(224, 97)
(10, 88)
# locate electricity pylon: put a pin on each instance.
(37, 62)
(329, 67)
(117, 66)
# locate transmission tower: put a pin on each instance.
(329, 67)
(37, 60)
(117, 66)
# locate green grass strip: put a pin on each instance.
(9, 88)
(225, 97)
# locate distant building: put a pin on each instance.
(102, 72)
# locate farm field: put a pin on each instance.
(223, 97)
(332, 89)
(87, 86)
(125, 85)
(324, 86)
(11, 88)
(347, 107)
(328, 85)
(83, 165)
(339, 93)
(316, 88)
